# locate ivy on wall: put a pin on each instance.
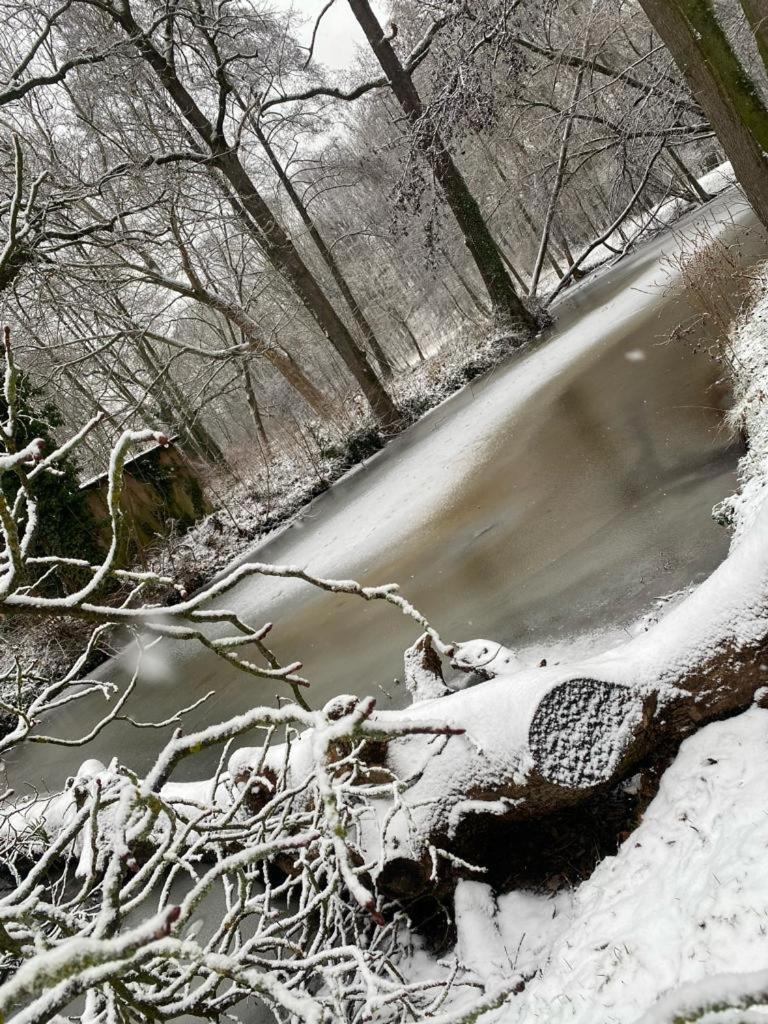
(66, 526)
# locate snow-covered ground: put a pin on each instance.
(686, 897)
(748, 355)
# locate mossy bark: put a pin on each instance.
(718, 79)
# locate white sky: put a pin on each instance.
(339, 34)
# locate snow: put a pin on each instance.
(486, 655)
(749, 355)
(422, 671)
(719, 179)
(730, 606)
(678, 917)
(480, 946)
(685, 898)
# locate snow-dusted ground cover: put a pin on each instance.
(273, 495)
(748, 356)
(686, 898)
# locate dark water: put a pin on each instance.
(562, 494)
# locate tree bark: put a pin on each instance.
(534, 234)
(690, 180)
(557, 185)
(509, 311)
(401, 320)
(476, 300)
(285, 364)
(730, 99)
(512, 269)
(180, 411)
(264, 228)
(253, 405)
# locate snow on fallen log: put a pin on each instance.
(541, 740)
(535, 742)
(707, 996)
(685, 899)
(525, 744)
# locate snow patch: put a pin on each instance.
(748, 354)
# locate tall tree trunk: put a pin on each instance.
(509, 311)
(403, 323)
(286, 365)
(263, 227)
(363, 324)
(531, 224)
(462, 279)
(558, 234)
(731, 100)
(512, 269)
(253, 405)
(285, 257)
(562, 162)
(691, 181)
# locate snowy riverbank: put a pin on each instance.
(275, 495)
(272, 499)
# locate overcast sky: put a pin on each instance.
(339, 34)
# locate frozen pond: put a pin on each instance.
(563, 493)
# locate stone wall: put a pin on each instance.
(161, 491)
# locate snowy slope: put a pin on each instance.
(685, 898)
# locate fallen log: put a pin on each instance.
(526, 746)
(542, 741)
